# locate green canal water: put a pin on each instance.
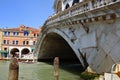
(41, 71)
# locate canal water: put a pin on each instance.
(41, 71)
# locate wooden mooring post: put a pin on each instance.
(13, 69)
(56, 66)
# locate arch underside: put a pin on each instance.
(53, 45)
(14, 51)
(25, 51)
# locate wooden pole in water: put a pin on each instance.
(56, 66)
(13, 69)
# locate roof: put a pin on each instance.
(22, 28)
(12, 29)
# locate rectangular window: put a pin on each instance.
(23, 42)
(4, 42)
(13, 42)
(15, 33)
(27, 42)
(6, 33)
(17, 42)
(7, 41)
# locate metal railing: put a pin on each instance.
(115, 66)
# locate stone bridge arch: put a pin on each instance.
(57, 43)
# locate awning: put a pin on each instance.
(3, 51)
(32, 48)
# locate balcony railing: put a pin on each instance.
(79, 8)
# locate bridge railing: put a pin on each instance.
(79, 8)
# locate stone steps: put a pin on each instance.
(109, 76)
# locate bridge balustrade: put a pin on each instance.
(78, 9)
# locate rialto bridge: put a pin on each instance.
(84, 31)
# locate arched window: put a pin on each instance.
(67, 6)
(75, 1)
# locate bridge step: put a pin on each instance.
(109, 76)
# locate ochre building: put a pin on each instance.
(20, 41)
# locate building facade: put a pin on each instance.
(20, 41)
(0, 40)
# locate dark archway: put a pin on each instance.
(14, 51)
(67, 6)
(75, 1)
(53, 46)
(25, 51)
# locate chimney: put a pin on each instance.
(22, 27)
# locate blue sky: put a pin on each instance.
(32, 13)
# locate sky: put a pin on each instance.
(31, 13)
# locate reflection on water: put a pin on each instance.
(4, 67)
(41, 71)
